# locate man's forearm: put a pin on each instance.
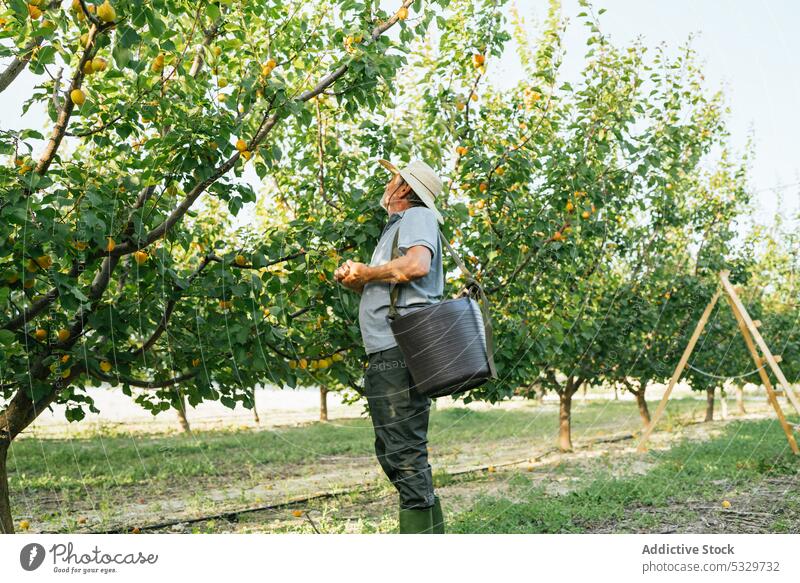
(395, 271)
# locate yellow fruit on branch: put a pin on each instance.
(483, 187)
(303, 363)
(87, 68)
(586, 214)
(158, 63)
(63, 335)
(110, 244)
(500, 171)
(266, 68)
(247, 154)
(44, 261)
(402, 14)
(195, 362)
(240, 260)
(77, 97)
(140, 256)
(99, 64)
(105, 366)
(474, 97)
(570, 206)
(460, 105)
(241, 145)
(106, 12)
(40, 334)
(478, 59)
(65, 358)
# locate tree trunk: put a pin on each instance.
(6, 521)
(323, 403)
(255, 411)
(710, 404)
(584, 391)
(740, 399)
(644, 412)
(565, 417)
(181, 411)
(723, 403)
(616, 392)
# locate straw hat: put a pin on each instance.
(423, 180)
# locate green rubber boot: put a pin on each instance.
(437, 517)
(416, 521)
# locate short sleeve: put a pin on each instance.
(418, 227)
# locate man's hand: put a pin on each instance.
(342, 274)
(356, 274)
(341, 271)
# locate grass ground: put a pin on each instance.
(116, 480)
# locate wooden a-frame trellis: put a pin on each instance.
(749, 330)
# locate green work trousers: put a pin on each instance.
(400, 419)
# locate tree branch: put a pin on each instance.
(18, 63)
(66, 108)
(154, 384)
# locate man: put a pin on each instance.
(399, 413)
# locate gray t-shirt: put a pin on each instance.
(418, 226)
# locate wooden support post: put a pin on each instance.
(773, 399)
(759, 341)
(679, 370)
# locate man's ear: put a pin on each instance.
(404, 190)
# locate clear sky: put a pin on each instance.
(750, 48)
